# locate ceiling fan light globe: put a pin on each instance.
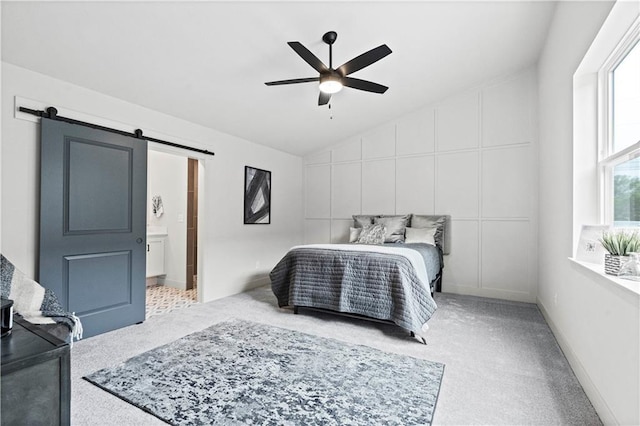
(330, 85)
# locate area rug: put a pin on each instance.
(245, 373)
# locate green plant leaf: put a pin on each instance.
(620, 242)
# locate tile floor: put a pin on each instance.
(162, 299)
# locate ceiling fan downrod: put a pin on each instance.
(330, 38)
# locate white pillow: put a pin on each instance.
(354, 234)
(420, 235)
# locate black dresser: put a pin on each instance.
(35, 384)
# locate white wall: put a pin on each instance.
(472, 156)
(234, 256)
(1, 91)
(595, 322)
(167, 177)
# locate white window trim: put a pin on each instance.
(610, 281)
(587, 134)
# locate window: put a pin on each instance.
(620, 140)
(626, 193)
(625, 100)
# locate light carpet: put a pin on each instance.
(503, 364)
(240, 372)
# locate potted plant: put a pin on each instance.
(619, 244)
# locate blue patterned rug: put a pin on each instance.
(244, 373)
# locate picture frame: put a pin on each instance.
(257, 196)
(589, 247)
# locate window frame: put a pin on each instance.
(607, 159)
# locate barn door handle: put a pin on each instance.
(139, 240)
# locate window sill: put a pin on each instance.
(597, 271)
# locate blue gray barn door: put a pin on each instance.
(93, 223)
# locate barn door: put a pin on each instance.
(93, 223)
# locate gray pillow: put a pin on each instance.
(362, 220)
(372, 234)
(395, 227)
(432, 221)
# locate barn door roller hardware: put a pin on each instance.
(52, 114)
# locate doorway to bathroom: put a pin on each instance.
(172, 231)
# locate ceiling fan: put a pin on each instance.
(332, 80)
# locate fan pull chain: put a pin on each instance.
(330, 113)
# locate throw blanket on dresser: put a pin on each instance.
(382, 282)
(34, 303)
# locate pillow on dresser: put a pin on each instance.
(362, 220)
(421, 235)
(395, 227)
(372, 234)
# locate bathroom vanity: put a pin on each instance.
(156, 237)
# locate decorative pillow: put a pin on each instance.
(354, 233)
(395, 227)
(421, 221)
(421, 235)
(362, 220)
(439, 222)
(372, 234)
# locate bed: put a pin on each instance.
(391, 282)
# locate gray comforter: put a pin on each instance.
(382, 286)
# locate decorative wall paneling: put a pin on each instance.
(473, 156)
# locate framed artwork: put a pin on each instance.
(589, 247)
(257, 196)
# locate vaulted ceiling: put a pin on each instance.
(207, 62)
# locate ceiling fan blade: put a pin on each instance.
(309, 57)
(364, 60)
(367, 86)
(324, 98)
(293, 81)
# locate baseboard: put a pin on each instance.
(172, 283)
(513, 296)
(258, 282)
(600, 405)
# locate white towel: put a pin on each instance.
(158, 209)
